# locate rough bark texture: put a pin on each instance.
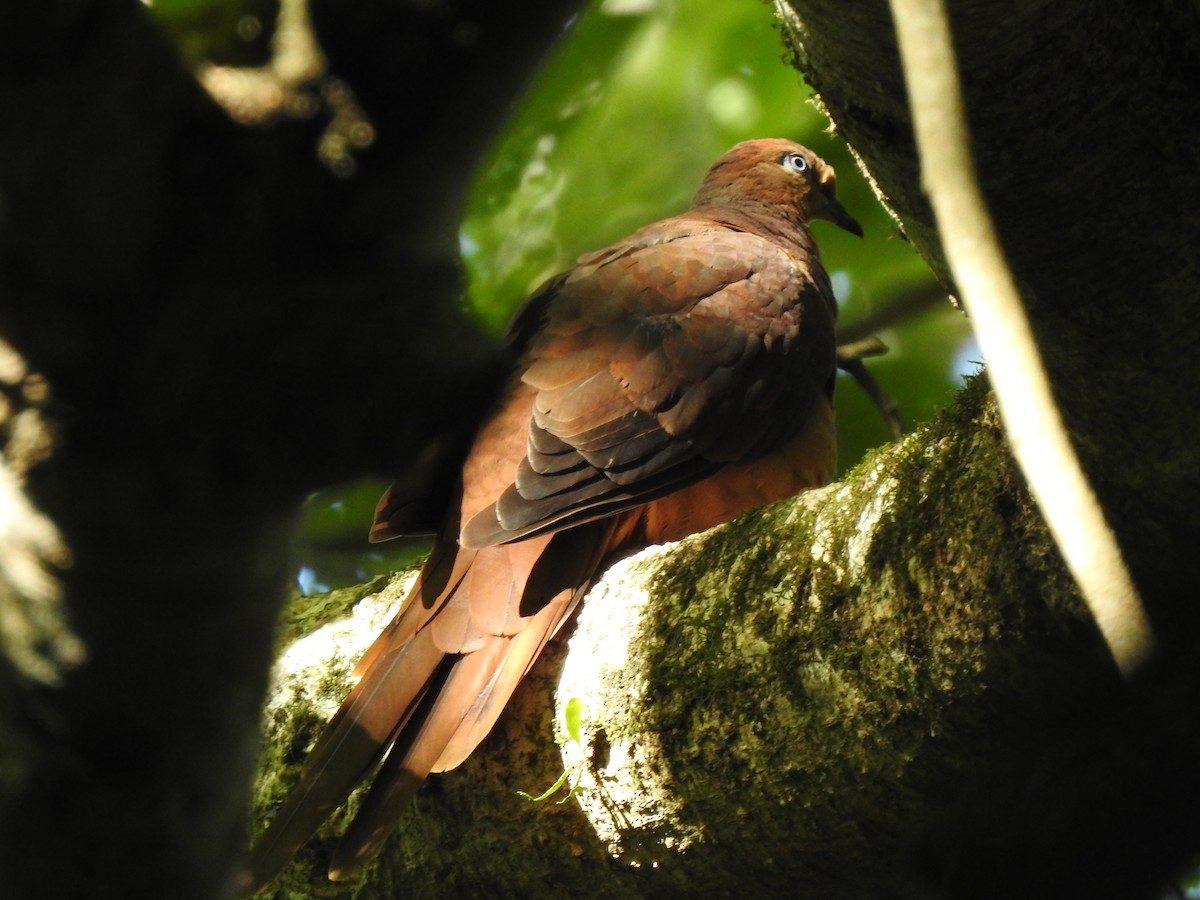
(1081, 115)
(1085, 140)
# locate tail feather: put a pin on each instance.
(415, 753)
(592, 545)
(454, 716)
(345, 752)
(458, 713)
(432, 686)
(503, 676)
(430, 593)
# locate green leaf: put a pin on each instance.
(573, 720)
(550, 791)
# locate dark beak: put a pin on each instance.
(831, 210)
(836, 213)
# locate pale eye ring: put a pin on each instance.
(794, 162)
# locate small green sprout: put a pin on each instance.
(573, 724)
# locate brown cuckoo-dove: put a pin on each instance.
(664, 385)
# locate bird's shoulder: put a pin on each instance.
(719, 243)
(680, 266)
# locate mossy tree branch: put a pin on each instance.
(792, 704)
(1034, 427)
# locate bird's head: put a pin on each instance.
(777, 176)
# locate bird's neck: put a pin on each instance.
(768, 222)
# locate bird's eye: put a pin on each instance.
(794, 162)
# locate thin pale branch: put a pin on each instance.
(1031, 418)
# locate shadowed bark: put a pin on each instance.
(1084, 144)
(196, 295)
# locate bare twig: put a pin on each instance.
(1031, 418)
(900, 304)
(850, 360)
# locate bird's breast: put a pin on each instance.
(807, 460)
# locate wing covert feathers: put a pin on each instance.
(657, 364)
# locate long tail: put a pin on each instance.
(431, 686)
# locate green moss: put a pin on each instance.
(305, 614)
(839, 652)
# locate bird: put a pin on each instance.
(663, 385)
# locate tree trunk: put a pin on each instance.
(1084, 135)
